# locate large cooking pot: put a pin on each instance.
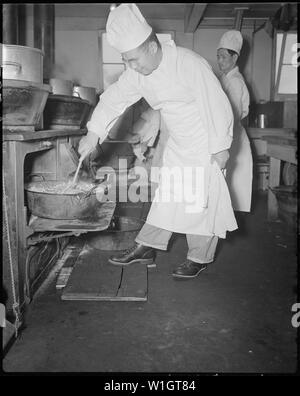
(66, 111)
(61, 87)
(87, 93)
(62, 205)
(23, 103)
(22, 63)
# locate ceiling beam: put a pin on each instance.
(239, 17)
(193, 15)
(226, 23)
(255, 10)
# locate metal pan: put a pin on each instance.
(61, 206)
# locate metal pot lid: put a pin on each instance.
(85, 88)
(22, 47)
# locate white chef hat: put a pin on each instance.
(232, 40)
(126, 28)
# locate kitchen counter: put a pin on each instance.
(279, 148)
(259, 133)
(259, 144)
(281, 140)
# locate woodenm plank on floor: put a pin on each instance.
(134, 284)
(94, 279)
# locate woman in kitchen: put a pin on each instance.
(240, 164)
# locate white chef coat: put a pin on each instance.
(199, 119)
(239, 168)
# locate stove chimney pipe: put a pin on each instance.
(10, 23)
(44, 35)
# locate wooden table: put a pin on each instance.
(259, 145)
(278, 149)
(260, 133)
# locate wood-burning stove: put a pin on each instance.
(27, 231)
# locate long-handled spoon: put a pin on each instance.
(73, 182)
(77, 170)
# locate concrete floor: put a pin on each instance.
(234, 318)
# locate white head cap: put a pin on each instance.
(232, 40)
(126, 28)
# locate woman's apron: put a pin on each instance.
(239, 168)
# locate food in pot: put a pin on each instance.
(60, 187)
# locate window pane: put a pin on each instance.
(288, 80)
(291, 39)
(290, 49)
(163, 37)
(111, 73)
(278, 49)
(109, 54)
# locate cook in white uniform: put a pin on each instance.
(240, 164)
(182, 86)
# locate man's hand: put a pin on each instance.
(221, 158)
(87, 144)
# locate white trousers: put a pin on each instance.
(201, 248)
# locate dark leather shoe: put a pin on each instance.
(189, 269)
(137, 253)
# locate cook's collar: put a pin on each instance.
(233, 71)
(167, 48)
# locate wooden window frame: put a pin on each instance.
(101, 31)
(275, 96)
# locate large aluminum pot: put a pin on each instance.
(22, 63)
(61, 87)
(62, 205)
(23, 103)
(86, 93)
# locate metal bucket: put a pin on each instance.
(61, 87)
(86, 93)
(22, 63)
(262, 121)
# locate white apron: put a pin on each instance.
(239, 169)
(184, 207)
(199, 120)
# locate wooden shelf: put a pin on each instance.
(279, 148)
(9, 135)
(281, 140)
(259, 133)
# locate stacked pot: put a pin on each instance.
(68, 88)
(24, 94)
(86, 93)
(69, 106)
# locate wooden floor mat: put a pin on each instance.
(93, 278)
